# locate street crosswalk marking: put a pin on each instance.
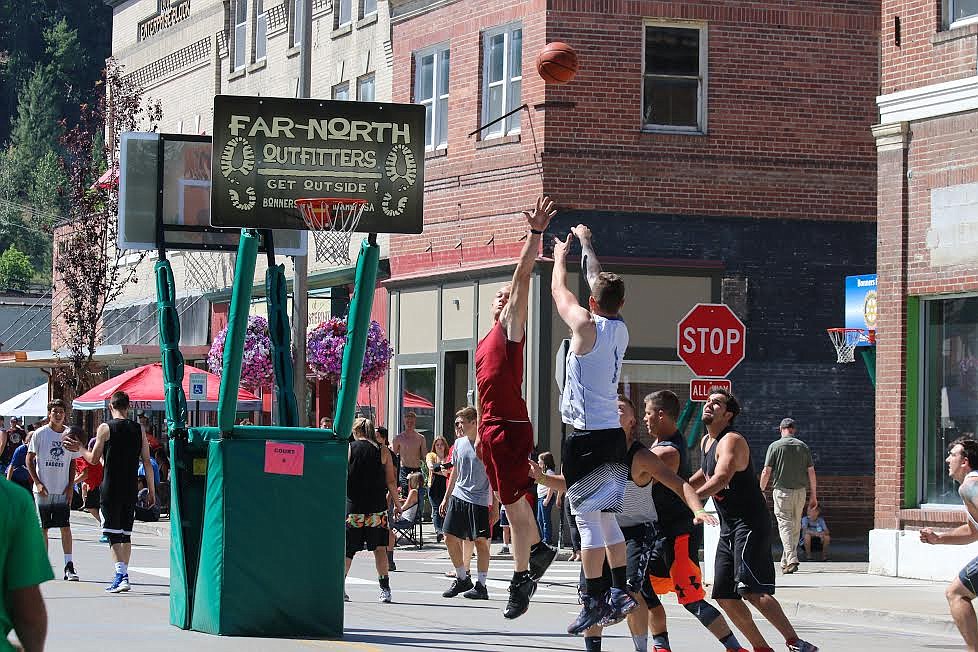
(157, 572)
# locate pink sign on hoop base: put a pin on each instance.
(284, 458)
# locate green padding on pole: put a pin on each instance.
(260, 522)
(170, 355)
(684, 418)
(244, 274)
(358, 323)
(278, 328)
(869, 359)
(187, 480)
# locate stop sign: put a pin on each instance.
(710, 340)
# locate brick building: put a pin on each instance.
(720, 152)
(928, 286)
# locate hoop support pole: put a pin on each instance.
(357, 324)
(244, 274)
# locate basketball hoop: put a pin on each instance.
(332, 221)
(846, 340)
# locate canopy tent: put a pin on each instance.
(413, 401)
(144, 385)
(32, 403)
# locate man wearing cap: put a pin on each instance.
(789, 462)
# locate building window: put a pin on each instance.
(431, 91)
(417, 394)
(365, 88)
(950, 388)
(502, 78)
(240, 32)
(297, 19)
(958, 10)
(341, 91)
(674, 94)
(368, 7)
(261, 30)
(344, 12)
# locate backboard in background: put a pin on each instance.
(271, 151)
(861, 303)
(181, 165)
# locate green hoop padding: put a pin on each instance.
(278, 329)
(170, 355)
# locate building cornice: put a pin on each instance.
(403, 10)
(114, 3)
(930, 101)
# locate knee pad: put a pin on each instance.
(705, 612)
(610, 529)
(589, 526)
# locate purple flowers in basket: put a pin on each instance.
(324, 352)
(256, 363)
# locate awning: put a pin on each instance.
(416, 402)
(32, 403)
(110, 355)
(109, 179)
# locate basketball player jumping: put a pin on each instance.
(505, 431)
(594, 453)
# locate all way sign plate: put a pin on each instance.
(701, 388)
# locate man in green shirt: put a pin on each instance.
(789, 461)
(24, 565)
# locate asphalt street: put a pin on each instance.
(82, 617)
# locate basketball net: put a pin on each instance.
(332, 222)
(846, 340)
(206, 270)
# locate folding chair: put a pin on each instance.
(409, 531)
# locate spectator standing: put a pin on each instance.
(24, 566)
(545, 497)
(10, 439)
(789, 464)
(149, 431)
(156, 470)
(50, 466)
(438, 474)
(410, 447)
(17, 470)
(89, 475)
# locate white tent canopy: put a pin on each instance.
(32, 403)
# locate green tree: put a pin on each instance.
(15, 269)
(36, 129)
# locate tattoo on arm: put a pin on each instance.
(969, 492)
(590, 266)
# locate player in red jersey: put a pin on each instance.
(505, 431)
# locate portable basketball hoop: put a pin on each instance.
(332, 221)
(846, 340)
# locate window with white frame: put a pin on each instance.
(240, 32)
(958, 10)
(674, 93)
(368, 7)
(365, 88)
(297, 19)
(261, 30)
(502, 79)
(431, 68)
(341, 91)
(343, 10)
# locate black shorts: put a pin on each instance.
(969, 575)
(93, 499)
(743, 561)
(53, 511)
(639, 540)
(585, 450)
(465, 520)
(365, 538)
(117, 517)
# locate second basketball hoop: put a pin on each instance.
(332, 221)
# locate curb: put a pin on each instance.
(874, 618)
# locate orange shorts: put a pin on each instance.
(672, 569)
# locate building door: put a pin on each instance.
(457, 394)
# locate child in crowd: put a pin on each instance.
(814, 529)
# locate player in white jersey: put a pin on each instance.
(594, 452)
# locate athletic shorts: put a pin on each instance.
(93, 499)
(505, 447)
(743, 562)
(118, 517)
(594, 468)
(366, 532)
(465, 520)
(673, 567)
(969, 576)
(639, 540)
(53, 510)
(503, 519)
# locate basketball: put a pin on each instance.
(557, 63)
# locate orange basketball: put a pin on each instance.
(557, 63)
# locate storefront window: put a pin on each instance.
(639, 379)
(418, 396)
(950, 388)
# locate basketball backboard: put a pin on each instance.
(180, 165)
(272, 151)
(861, 304)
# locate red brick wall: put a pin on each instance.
(927, 54)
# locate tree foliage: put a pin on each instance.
(15, 269)
(87, 265)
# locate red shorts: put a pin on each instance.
(505, 448)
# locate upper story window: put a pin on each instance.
(261, 30)
(365, 88)
(240, 32)
(431, 68)
(297, 19)
(341, 91)
(344, 12)
(502, 79)
(674, 94)
(958, 10)
(368, 7)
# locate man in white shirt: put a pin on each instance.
(50, 467)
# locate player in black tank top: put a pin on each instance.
(121, 453)
(675, 517)
(744, 568)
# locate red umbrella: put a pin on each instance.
(416, 402)
(144, 385)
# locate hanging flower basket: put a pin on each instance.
(324, 351)
(256, 363)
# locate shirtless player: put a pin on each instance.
(505, 431)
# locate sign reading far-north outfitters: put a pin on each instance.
(270, 151)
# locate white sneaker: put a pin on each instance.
(385, 596)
